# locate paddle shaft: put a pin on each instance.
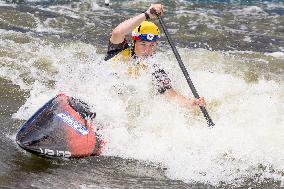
(185, 73)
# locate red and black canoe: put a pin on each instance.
(61, 128)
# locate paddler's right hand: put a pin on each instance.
(155, 9)
(198, 102)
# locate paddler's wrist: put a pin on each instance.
(147, 15)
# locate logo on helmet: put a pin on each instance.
(150, 36)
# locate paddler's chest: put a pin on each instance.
(135, 69)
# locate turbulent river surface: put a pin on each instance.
(234, 52)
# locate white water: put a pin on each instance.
(142, 125)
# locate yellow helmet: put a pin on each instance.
(146, 31)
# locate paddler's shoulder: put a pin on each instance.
(124, 56)
(116, 51)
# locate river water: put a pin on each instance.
(234, 52)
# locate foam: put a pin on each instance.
(248, 129)
(3, 4)
(279, 55)
(249, 10)
(142, 125)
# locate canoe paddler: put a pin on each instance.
(145, 37)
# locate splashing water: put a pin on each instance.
(244, 91)
(140, 124)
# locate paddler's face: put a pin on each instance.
(144, 48)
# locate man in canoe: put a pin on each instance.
(145, 37)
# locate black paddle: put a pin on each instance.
(184, 71)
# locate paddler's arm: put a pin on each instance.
(118, 34)
(191, 104)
